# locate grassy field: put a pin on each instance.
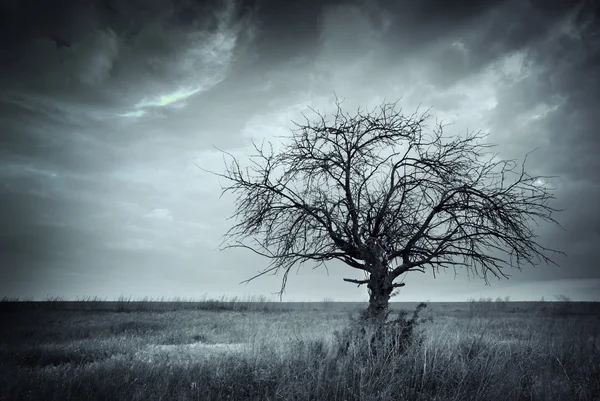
(232, 350)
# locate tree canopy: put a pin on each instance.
(382, 193)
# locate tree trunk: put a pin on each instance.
(380, 291)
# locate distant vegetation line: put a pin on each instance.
(262, 303)
(236, 299)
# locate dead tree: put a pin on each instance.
(379, 192)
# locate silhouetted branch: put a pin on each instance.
(359, 282)
(374, 190)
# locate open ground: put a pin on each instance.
(226, 349)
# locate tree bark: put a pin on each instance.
(380, 291)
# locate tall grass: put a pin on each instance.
(510, 353)
(129, 304)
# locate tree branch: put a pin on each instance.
(374, 189)
(359, 282)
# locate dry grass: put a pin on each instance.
(471, 351)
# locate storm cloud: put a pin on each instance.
(106, 106)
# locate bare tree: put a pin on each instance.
(377, 192)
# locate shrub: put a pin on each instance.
(393, 336)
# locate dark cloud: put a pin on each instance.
(553, 109)
(68, 71)
(105, 104)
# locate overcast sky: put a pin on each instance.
(106, 106)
